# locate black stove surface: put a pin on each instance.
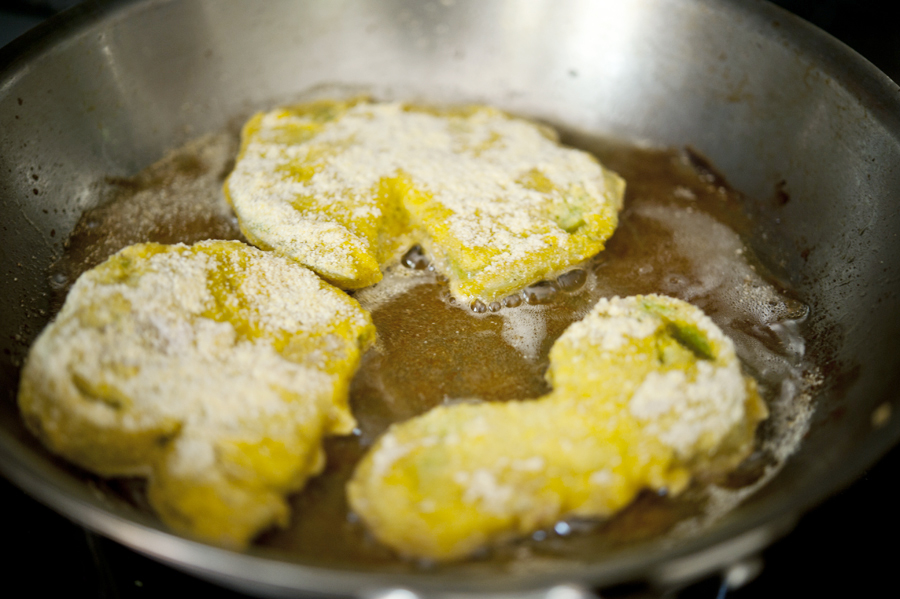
(842, 548)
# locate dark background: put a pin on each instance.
(843, 547)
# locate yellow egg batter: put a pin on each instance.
(214, 370)
(646, 392)
(345, 187)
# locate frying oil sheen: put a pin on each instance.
(678, 235)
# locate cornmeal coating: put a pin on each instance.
(214, 370)
(345, 187)
(647, 392)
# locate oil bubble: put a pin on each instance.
(572, 280)
(415, 258)
(513, 301)
(542, 292)
(58, 280)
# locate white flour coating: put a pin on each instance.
(471, 166)
(532, 464)
(157, 344)
(614, 321)
(620, 323)
(679, 407)
(679, 411)
(481, 487)
(390, 451)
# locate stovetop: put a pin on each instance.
(842, 548)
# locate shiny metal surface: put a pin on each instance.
(775, 104)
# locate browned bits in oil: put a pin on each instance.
(795, 310)
(513, 301)
(178, 199)
(415, 258)
(541, 292)
(572, 280)
(704, 168)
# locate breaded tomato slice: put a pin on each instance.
(214, 370)
(345, 187)
(647, 393)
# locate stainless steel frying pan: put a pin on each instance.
(776, 105)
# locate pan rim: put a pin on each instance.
(844, 65)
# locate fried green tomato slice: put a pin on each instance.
(647, 393)
(214, 370)
(345, 187)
